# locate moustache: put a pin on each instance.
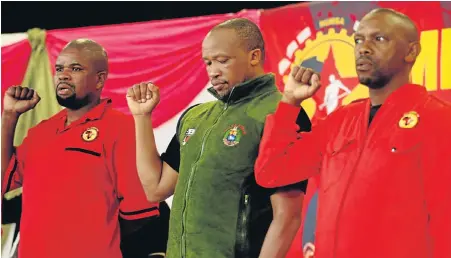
(65, 83)
(363, 59)
(217, 82)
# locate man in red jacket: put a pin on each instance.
(384, 162)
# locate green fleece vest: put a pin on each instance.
(219, 145)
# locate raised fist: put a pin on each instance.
(302, 84)
(20, 99)
(143, 98)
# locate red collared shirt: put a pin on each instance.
(76, 181)
(385, 189)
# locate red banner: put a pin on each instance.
(319, 35)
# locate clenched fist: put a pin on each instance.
(20, 99)
(302, 84)
(143, 98)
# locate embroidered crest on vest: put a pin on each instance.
(233, 134)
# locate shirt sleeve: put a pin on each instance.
(287, 156)
(300, 186)
(133, 201)
(172, 154)
(304, 124)
(13, 177)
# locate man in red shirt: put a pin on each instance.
(77, 168)
(385, 186)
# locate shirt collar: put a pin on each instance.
(94, 114)
(248, 89)
(407, 95)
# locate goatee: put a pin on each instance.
(376, 82)
(73, 102)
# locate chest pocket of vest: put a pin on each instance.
(337, 157)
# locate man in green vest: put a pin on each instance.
(218, 210)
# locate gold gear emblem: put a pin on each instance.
(343, 49)
(409, 120)
(90, 134)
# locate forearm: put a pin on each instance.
(279, 238)
(149, 164)
(9, 122)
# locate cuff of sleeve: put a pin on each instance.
(302, 186)
(140, 214)
(286, 114)
(172, 162)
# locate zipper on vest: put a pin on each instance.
(188, 187)
(243, 244)
(244, 218)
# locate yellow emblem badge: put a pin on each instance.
(90, 134)
(409, 120)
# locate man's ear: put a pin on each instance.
(101, 78)
(414, 51)
(255, 56)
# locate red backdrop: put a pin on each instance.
(316, 34)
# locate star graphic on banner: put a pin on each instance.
(330, 68)
(330, 77)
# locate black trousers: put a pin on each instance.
(150, 239)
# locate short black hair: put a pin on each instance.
(248, 32)
(98, 55)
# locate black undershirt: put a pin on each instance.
(373, 112)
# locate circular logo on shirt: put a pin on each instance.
(90, 134)
(233, 135)
(409, 120)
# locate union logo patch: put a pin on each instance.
(233, 135)
(409, 120)
(90, 134)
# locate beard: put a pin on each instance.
(224, 94)
(375, 81)
(73, 102)
(378, 78)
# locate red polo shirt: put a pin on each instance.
(76, 181)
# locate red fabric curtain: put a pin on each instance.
(167, 52)
(14, 64)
